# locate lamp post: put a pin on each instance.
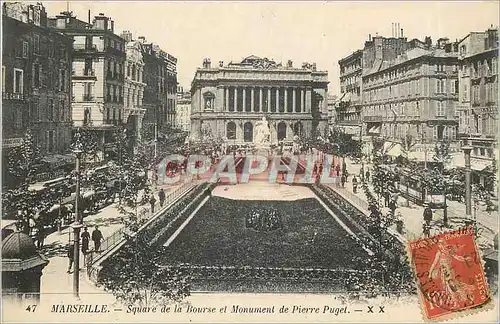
(468, 183)
(77, 224)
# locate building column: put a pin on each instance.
(260, 99)
(308, 101)
(268, 100)
(243, 108)
(277, 99)
(252, 93)
(302, 100)
(226, 101)
(235, 98)
(294, 99)
(286, 99)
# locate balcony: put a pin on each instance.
(85, 47)
(12, 142)
(13, 96)
(372, 118)
(88, 98)
(88, 74)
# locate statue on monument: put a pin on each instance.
(262, 132)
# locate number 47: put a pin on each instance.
(31, 308)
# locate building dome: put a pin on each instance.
(18, 246)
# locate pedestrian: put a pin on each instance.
(392, 204)
(85, 240)
(40, 235)
(97, 238)
(152, 202)
(342, 180)
(344, 166)
(71, 255)
(427, 214)
(337, 169)
(161, 196)
(367, 175)
(386, 198)
(354, 184)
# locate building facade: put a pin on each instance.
(478, 98)
(332, 111)
(348, 112)
(412, 99)
(97, 74)
(228, 100)
(160, 93)
(134, 88)
(183, 110)
(36, 85)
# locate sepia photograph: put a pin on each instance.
(250, 161)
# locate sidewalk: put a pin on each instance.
(412, 215)
(56, 284)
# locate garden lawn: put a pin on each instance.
(309, 237)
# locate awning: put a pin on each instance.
(458, 161)
(346, 97)
(392, 149)
(421, 156)
(58, 159)
(88, 194)
(374, 130)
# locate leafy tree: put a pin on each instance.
(22, 161)
(136, 276)
(89, 145)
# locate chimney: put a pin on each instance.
(142, 39)
(402, 35)
(112, 26)
(314, 67)
(289, 64)
(369, 37)
(392, 29)
(221, 63)
(89, 16)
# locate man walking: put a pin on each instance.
(71, 254)
(97, 238)
(427, 214)
(152, 202)
(161, 196)
(85, 240)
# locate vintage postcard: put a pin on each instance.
(302, 161)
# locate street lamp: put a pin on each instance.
(468, 183)
(77, 224)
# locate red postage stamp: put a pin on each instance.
(449, 274)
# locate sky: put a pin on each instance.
(301, 31)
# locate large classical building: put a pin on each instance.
(348, 111)
(413, 97)
(478, 99)
(228, 100)
(97, 74)
(36, 84)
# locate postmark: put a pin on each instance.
(449, 274)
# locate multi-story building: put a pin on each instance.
(348, 112)
(160, 94)
(332, 111)
(478, 98)
(183, 110)
(228, 100)
(36, 85)
(412, 97)
(97, 74)
(134, 86)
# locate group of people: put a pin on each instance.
(96, 237)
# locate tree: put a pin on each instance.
(89, 145)
(136, 276)
(22, 161)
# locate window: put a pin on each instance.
(36, 75)
(18, 81)
(50, 110)
(231, 131)
(440, 109)
(454, 86)
(34, 113)
(466, 92)
(248, 132)
(281, 131)
(440, 68)
(36, 44)
(50, 140)
(62, 80)
(440, 86)
(25, 49)
(418, 87)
